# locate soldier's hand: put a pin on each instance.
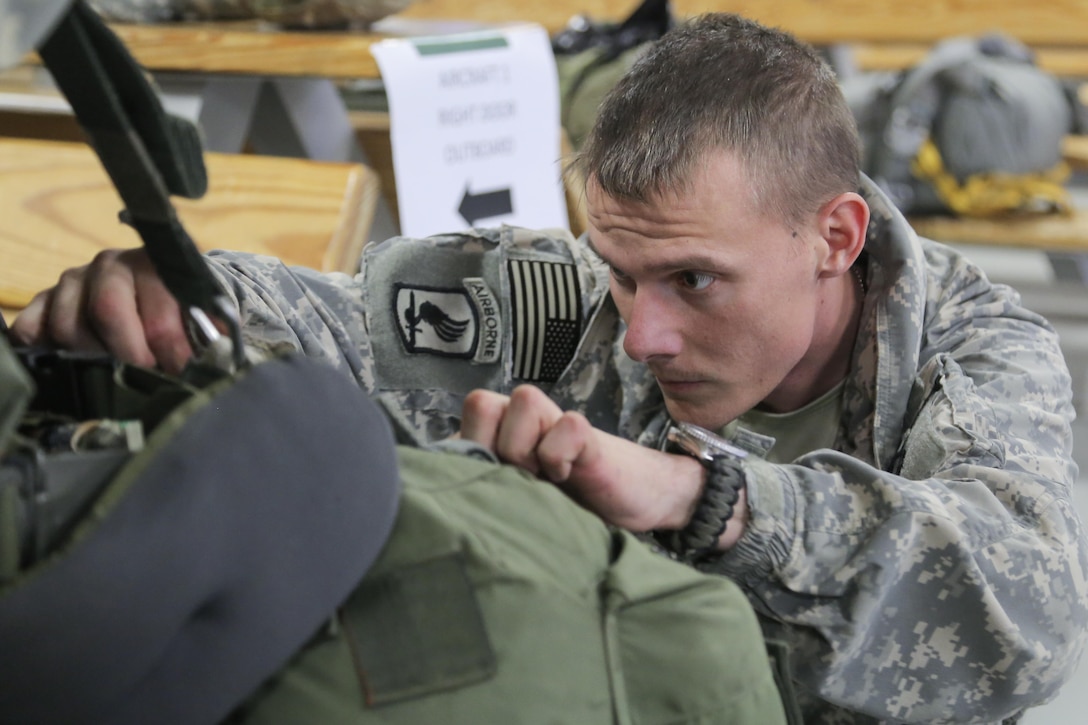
(626, 484)
(116, 303)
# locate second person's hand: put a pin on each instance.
(118, 304)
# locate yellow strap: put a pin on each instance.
(993, 193)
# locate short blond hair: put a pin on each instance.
(720, 81)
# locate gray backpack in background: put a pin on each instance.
(975, 129)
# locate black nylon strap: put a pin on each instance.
(88, 385)
(147, 153)
(173, 143)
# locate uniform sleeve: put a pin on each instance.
(318, 314)
(952, 588)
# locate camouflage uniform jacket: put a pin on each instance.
(931, 568)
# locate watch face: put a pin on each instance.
(701, 443)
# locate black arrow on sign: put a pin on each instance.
(484, 206)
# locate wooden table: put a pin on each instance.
(276, 92)
(889, 33)
(246, 82)
(59, 209)
(822, 22)
(252, 49)
(252, 87)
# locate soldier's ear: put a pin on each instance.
(842, 223)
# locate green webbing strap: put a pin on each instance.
(147, 153)
(43, 497)
(93, 386)
(778, 652)
(45, 487)
(16, 391)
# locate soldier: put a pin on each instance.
(874, 440)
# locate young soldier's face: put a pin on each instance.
(721, 301)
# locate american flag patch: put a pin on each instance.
(546, 307)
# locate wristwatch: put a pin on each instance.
(700, 443)
(724, 479)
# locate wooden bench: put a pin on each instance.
(891, 32)
(883, 34)
(1058, 29)
(878, 35)
(58, 209)
(1075, 152)
(1051, 233)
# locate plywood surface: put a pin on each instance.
(1057, 28)
(1067, 61)
(1054, 22)
(1052, 233)
(250, 48)
(58, 209)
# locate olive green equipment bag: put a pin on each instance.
(499, 600)
(591, 55)
(208, 556)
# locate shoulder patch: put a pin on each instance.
(439, 321)
(456, 322)
(546, 312)
(490, 347)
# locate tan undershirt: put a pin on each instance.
(801, 431)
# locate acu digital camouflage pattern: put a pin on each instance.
(290, 13)
(334, 317)
(931, 568)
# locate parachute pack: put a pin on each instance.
(974, 129)
(245, 543)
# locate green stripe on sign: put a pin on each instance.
(460, 46)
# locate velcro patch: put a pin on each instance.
(490, 346)
(434, 320)
(448, 321)
(418, 630)
(546, 312)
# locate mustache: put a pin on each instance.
(675, 376)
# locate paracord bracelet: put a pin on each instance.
(724, 479)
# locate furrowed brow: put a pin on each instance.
(593, 248)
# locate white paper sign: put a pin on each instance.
(474, 124)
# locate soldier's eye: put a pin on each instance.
(619, 275)
(695, 280)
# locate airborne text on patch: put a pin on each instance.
(490, 347)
